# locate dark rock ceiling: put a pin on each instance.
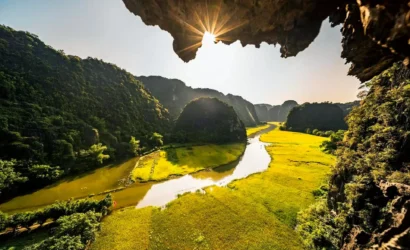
(375, 32)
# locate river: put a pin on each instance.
(255, 159)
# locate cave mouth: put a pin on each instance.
(375, 33)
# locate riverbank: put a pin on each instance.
(167, 163)
(163, 164)
(251, 131)
(262, 207)
(97, 181)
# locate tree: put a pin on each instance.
(135, 146)
(9, 176)
(3, 221)
(45, 172)
(156, 140)
(331, 145)
(95, 154)
(85, 225)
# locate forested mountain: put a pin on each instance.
(174, 95)
(267, 112)
(275, 113)
(62, 113)
(321, 116)
(209, 120)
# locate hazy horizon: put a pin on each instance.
(106, 30)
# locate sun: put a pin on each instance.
(208, 38)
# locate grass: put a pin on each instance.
(258, 212)
(162, 164)
(99, 180)
(253, 130)
(134, 224)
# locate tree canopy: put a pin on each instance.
(320, 116)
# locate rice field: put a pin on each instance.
(258, 212)
(162, 164)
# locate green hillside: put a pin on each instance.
(61, 114)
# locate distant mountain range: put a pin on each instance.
(175, 95)
(267, 112)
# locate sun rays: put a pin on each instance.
(208, 23)
(208, 38)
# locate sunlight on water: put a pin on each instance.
(255, 159)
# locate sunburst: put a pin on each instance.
(209, 23)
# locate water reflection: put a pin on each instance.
(255, 159)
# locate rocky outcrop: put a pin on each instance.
(209, 120)
(174, 95)
(375, 33)
(394, 232)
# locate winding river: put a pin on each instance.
(255, 159)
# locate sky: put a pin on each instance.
(105, 29)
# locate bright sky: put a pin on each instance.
(105, 29)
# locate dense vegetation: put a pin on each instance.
(75, 227)
(175, 95)
(335, 140)
(209, 120)
(320, 116)
(60, 114)
(367, 201)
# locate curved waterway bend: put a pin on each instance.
(255, 159)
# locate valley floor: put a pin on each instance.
(179, 161)
(258, 212)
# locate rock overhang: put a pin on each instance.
(375, 32)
